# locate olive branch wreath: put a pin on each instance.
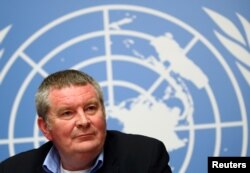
(233, 40)
(3, 34)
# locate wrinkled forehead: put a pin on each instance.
(73, 91)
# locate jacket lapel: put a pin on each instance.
(110, 156)
(40, 170)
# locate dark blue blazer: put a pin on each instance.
(123, 153)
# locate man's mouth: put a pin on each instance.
(86, 136)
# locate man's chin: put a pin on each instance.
(87, 146)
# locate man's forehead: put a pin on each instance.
(73, 91)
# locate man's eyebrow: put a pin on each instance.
(65, 106)
(92, 101)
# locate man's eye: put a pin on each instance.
(91, 109)
(67, 114)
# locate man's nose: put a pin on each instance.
(82, 120)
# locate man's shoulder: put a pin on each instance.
(136, 149)
(130, 139)
(33, 156)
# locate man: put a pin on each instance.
(71, 115)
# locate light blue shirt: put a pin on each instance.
(52, 163)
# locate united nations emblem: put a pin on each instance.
(164, 80)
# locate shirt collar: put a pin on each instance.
(52, 163)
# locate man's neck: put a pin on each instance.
(78, 161)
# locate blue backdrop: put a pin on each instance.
(175, 70)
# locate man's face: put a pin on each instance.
(76, 120)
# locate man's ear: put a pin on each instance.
(43, 126)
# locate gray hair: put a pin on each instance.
(59, 80)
